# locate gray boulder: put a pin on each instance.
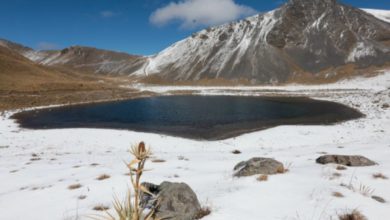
(173, 201)
(347, 160)
(258, 165)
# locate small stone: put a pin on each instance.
(379, 199)
(236, 152)
(347, 160)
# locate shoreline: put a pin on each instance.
(37, 166)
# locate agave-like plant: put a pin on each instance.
(129, 209)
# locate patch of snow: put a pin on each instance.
(380, 14)
(305, 192)
(361, 50)
(247, 33)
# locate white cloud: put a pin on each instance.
(193, 13)
(108, 14)
(47, 46)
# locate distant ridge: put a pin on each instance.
(302, 41)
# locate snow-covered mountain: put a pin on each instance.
(85, 59)
(88, 59)
(300, 39)
(303, 40)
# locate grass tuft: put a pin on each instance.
(337, 194)
(129, 209)
(339, 167)
(159, 161)
(379, 176)
(354, 215)
(205, 211)
(101, 208)
(74, 186)
(262, 178)
(103, 177)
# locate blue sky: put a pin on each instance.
(132, 26)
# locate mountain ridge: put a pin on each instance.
(274, 47)
(301, 39)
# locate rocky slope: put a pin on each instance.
(303, 37)
(79, 58)
(302, 41)
(88, 59)
(17, 73)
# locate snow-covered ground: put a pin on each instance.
(381, 14)
(32, 188)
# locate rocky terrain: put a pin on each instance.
(304, 41)
(24, 83)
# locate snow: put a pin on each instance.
(380, 14)
(247, 33)
(38, 189)
(361, 50)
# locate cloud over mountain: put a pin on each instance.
(194, 13)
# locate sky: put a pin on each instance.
(141, 27)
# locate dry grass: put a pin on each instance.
(284, 168)
(103, 177)
(205, 211)
(362, 189)
(262, 178)
(35, 159)
(159, 161)
(335, 176)
(365, 190)
(339, 167)
(101, 208)
(236, 152)
(129, 209)
(337, 194)
(379, 176)
(74, 186)
(354, 215)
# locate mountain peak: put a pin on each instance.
(303, 37)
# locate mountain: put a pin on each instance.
(17, 73)
(88, 59)
(82, 59)
(301, 39)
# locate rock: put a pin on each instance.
(175, 201)
(147, 200)
(378, 199)
(258, 165)
(352, 161)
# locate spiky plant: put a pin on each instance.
(136, 167)
(129, 209)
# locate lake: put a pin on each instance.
(191, 116)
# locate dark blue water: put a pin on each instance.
(199, 117)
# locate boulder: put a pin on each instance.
(173, 201)
(258, 165)
(347, 160)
